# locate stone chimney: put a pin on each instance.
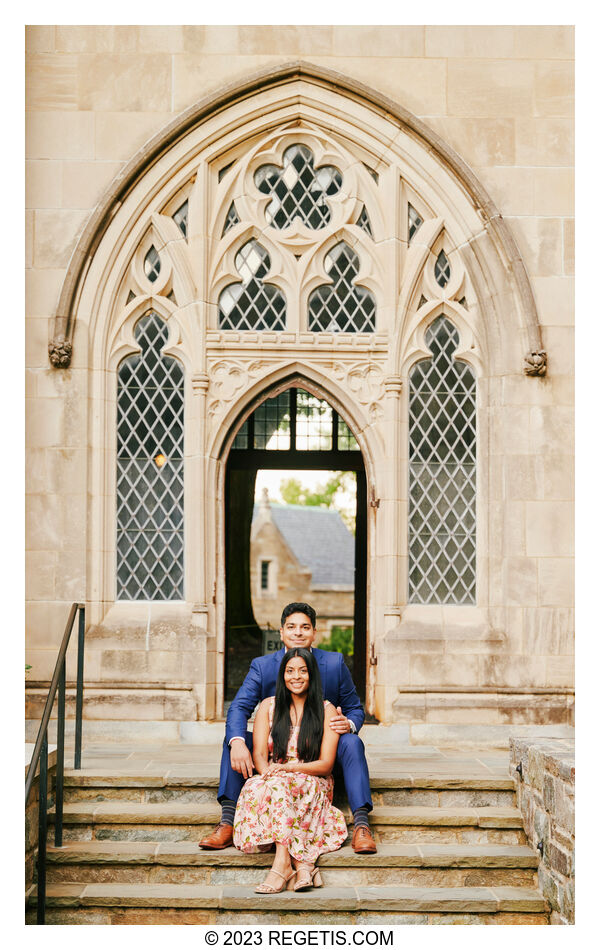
(264, 506)
(263, 515)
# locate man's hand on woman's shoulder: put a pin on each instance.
(339, 723)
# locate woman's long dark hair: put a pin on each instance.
(311, 727)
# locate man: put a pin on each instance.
(298, 629)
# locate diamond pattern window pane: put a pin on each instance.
(181, 218)
(152, 264)
(272, 423)
(231, 218)
(341, 307)
(314, 423)
(252, 304)
(414, 222)
(150, 495)
(364, 222)
(442, 462)
(442, 269)
(298, 190)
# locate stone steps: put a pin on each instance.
(429, 865)
(114, 903)
(185, 786)
(451, 849)
(186, 821)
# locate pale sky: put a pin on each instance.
(271, 479)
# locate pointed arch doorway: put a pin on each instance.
(293, 431)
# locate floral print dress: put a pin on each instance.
(289, 807)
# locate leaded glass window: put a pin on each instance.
(414, 222)
(341, 306)
(252, 304)
(152, 264)
(181, 218)
(442, 457)
(296, 421)
(241, 439)
(223, 171)
(442, 269)
(298, 189)
(272, 423)
(231, 218)
(364, 222)
(314, 423)
(345, 439)
(150, 469)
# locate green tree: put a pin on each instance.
(326, 495)
(340, 641)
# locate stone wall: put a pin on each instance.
(290, 581)
(32, 811)
(502, 97)
(546, 797)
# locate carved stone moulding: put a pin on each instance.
(230, 377)
(536, 363)
(265, 338)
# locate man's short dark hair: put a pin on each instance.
(296, 608)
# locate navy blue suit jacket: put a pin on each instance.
(260, 681)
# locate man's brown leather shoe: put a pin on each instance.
(221, 837)
(363, 841)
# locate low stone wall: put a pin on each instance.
(546, 797)
(32, 810)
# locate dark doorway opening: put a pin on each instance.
(297, 432)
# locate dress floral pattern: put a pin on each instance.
(292, 808)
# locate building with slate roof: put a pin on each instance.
(304, 553)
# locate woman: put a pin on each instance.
(289, 801)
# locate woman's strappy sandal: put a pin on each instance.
(310, 878)
(285, 882)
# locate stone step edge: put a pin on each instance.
(443, 899)
(176, 813)
(138, 853)
(113, 778)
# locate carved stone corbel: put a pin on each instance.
(536, 363)
(60, 351)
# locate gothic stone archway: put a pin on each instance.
(204, 162)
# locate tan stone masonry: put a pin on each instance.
(474, 124)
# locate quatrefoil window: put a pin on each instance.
(298, 189)
(252, 304)
(341, 306)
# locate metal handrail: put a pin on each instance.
(40, 751)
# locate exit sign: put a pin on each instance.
(271, 642)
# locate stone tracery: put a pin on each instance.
(298, 189)
(252, 303)
(207, 173)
